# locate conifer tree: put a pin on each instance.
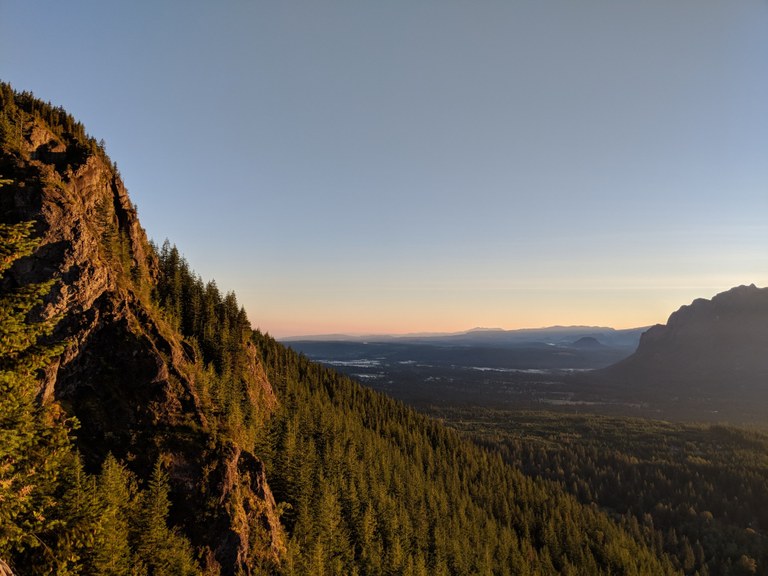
(165, 552)
(118, 497)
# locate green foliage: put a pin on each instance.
(370, 487)
(119, 515)
(18, 111)
(200, 312)
(18, 337)
(34, 447)
(165, 552)
(217, 328)
(115, 242)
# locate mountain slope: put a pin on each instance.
(372, 487)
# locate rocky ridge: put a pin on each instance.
(128, 376)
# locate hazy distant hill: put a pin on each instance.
(409, 367)
(711, 353)
(587, 342)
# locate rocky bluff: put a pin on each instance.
(133, 382)
(711, 355)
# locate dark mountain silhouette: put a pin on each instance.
(589, 342)
(712, 355)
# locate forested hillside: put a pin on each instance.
(369, 486)
(55, 518)
(694, 492)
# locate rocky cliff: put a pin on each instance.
(133, 382)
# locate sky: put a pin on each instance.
(424, 165)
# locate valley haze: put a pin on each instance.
(547, 333)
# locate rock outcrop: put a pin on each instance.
(126, 374)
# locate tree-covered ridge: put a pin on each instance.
(371, 487)
(43, 146)
(18, 110)
(218, 324)
(697, 493)
(214, 325)
(218, 331)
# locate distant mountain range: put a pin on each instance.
(496, 337)
(392, 357)
(710, 361)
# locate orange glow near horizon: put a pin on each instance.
(443, 314)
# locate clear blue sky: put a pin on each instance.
(427, 165)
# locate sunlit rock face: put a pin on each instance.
(125, 373)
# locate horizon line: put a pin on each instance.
(423, 334)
